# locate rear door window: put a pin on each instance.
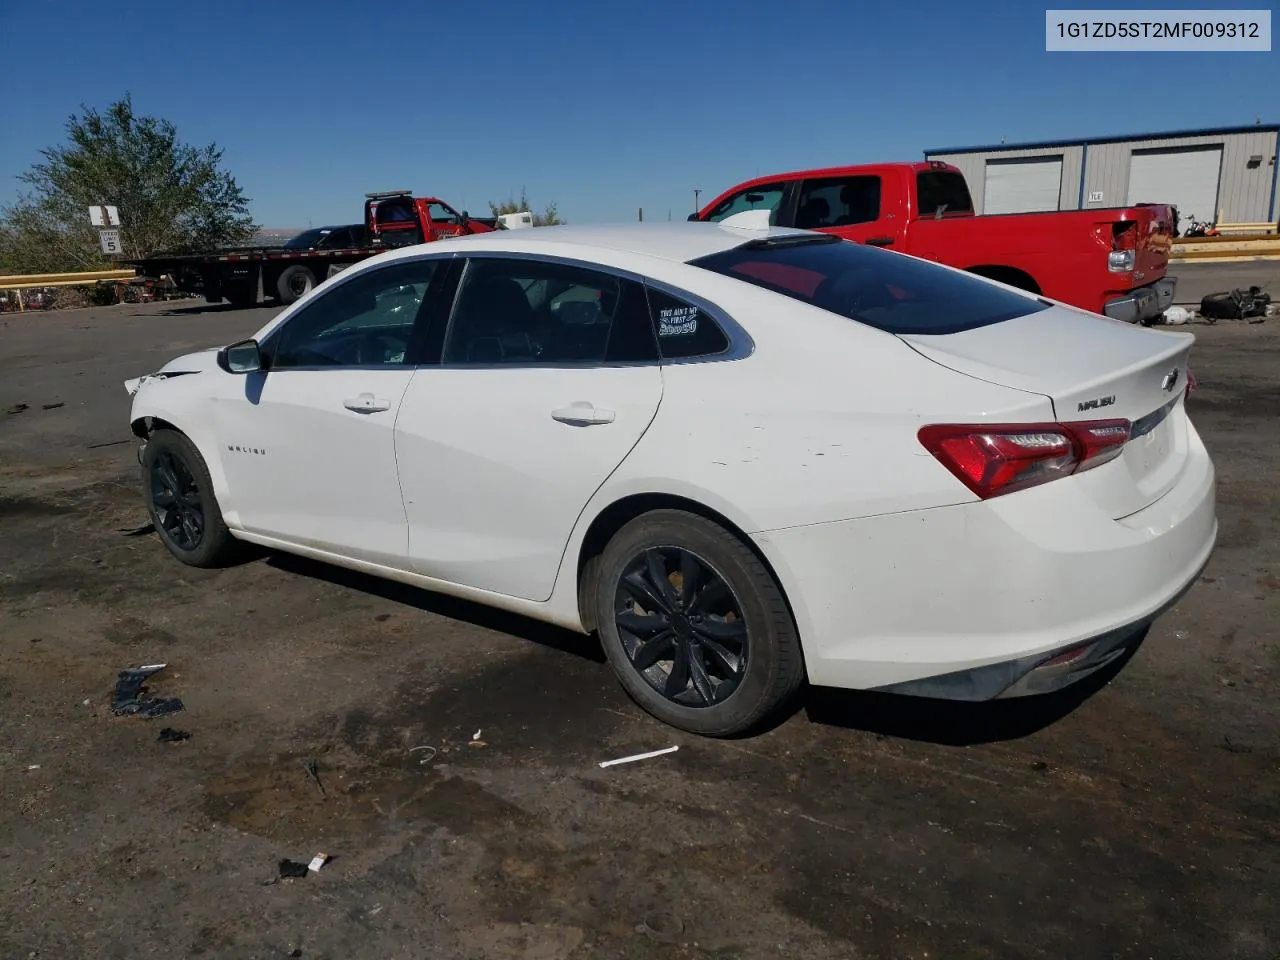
(838, 202)
(890, 291)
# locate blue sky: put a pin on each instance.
(601, 106)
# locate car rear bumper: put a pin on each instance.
(1142, 303)
(982, 600)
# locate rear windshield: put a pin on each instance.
(942, 192)
(890, 291)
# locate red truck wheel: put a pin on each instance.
(295, 282)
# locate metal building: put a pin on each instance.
(1224, 175)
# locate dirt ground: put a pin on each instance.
(1137, 819)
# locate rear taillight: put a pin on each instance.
(1192, 382)
(994, 459)
(1124, 246)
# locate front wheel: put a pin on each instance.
(180, 500)
(694, 625)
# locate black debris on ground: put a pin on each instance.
(129, 699)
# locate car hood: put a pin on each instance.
(201, 361)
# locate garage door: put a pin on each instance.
(1186, 178)
(1029, 185)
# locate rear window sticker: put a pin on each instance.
(677, 321)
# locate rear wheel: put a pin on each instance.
(180, 500)
(295, 282)
(694, 625)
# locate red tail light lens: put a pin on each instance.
(994, 459)
(1192, 382)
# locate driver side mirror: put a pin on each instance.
(242, 357)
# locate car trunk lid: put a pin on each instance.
(1091, 368)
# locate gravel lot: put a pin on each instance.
(1139, 818)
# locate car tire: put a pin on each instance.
(189, 523)
(295, 282)
(727, 585)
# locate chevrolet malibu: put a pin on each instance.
(748, 457)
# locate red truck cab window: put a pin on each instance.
(838, 202)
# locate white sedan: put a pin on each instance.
(747, 456)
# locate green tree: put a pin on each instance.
(171, 196)
(548, 218)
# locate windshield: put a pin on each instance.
(890, 291)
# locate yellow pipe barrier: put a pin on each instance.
(23, 281)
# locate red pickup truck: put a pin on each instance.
(1110, 261)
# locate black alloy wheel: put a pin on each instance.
(176, 502)
(178, 493)
(681, 626)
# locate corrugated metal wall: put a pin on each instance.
(974, 167)
(1244, 192)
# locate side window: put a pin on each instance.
(684, 330)
(767, 197)
(529, 312)
(337, 240)
(838, 202)
(439, 213)
(366, 321)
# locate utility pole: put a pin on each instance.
(696, 193)
(641, 214)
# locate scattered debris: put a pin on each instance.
(1039, 766)
(666, 930)
(476, 741)
(170, 735)
(1236, 304)
(318, 861)
(129, 690)
(37, 639)
(476, 735)
(313, 771)
(18, 408)
(383, 617)
(292, 869)
(86, 702)
(638, 756)
(34, 766)
(141, 531)
(1230, 747)
(1177, 315)
(110, 443)
(52, 406)
(430, 751)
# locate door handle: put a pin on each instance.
(582, 413)
(366, 403)
(879, 242)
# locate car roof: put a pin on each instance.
(679, 241)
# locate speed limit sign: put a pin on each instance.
(110, 241)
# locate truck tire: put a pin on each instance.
(295, 282)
